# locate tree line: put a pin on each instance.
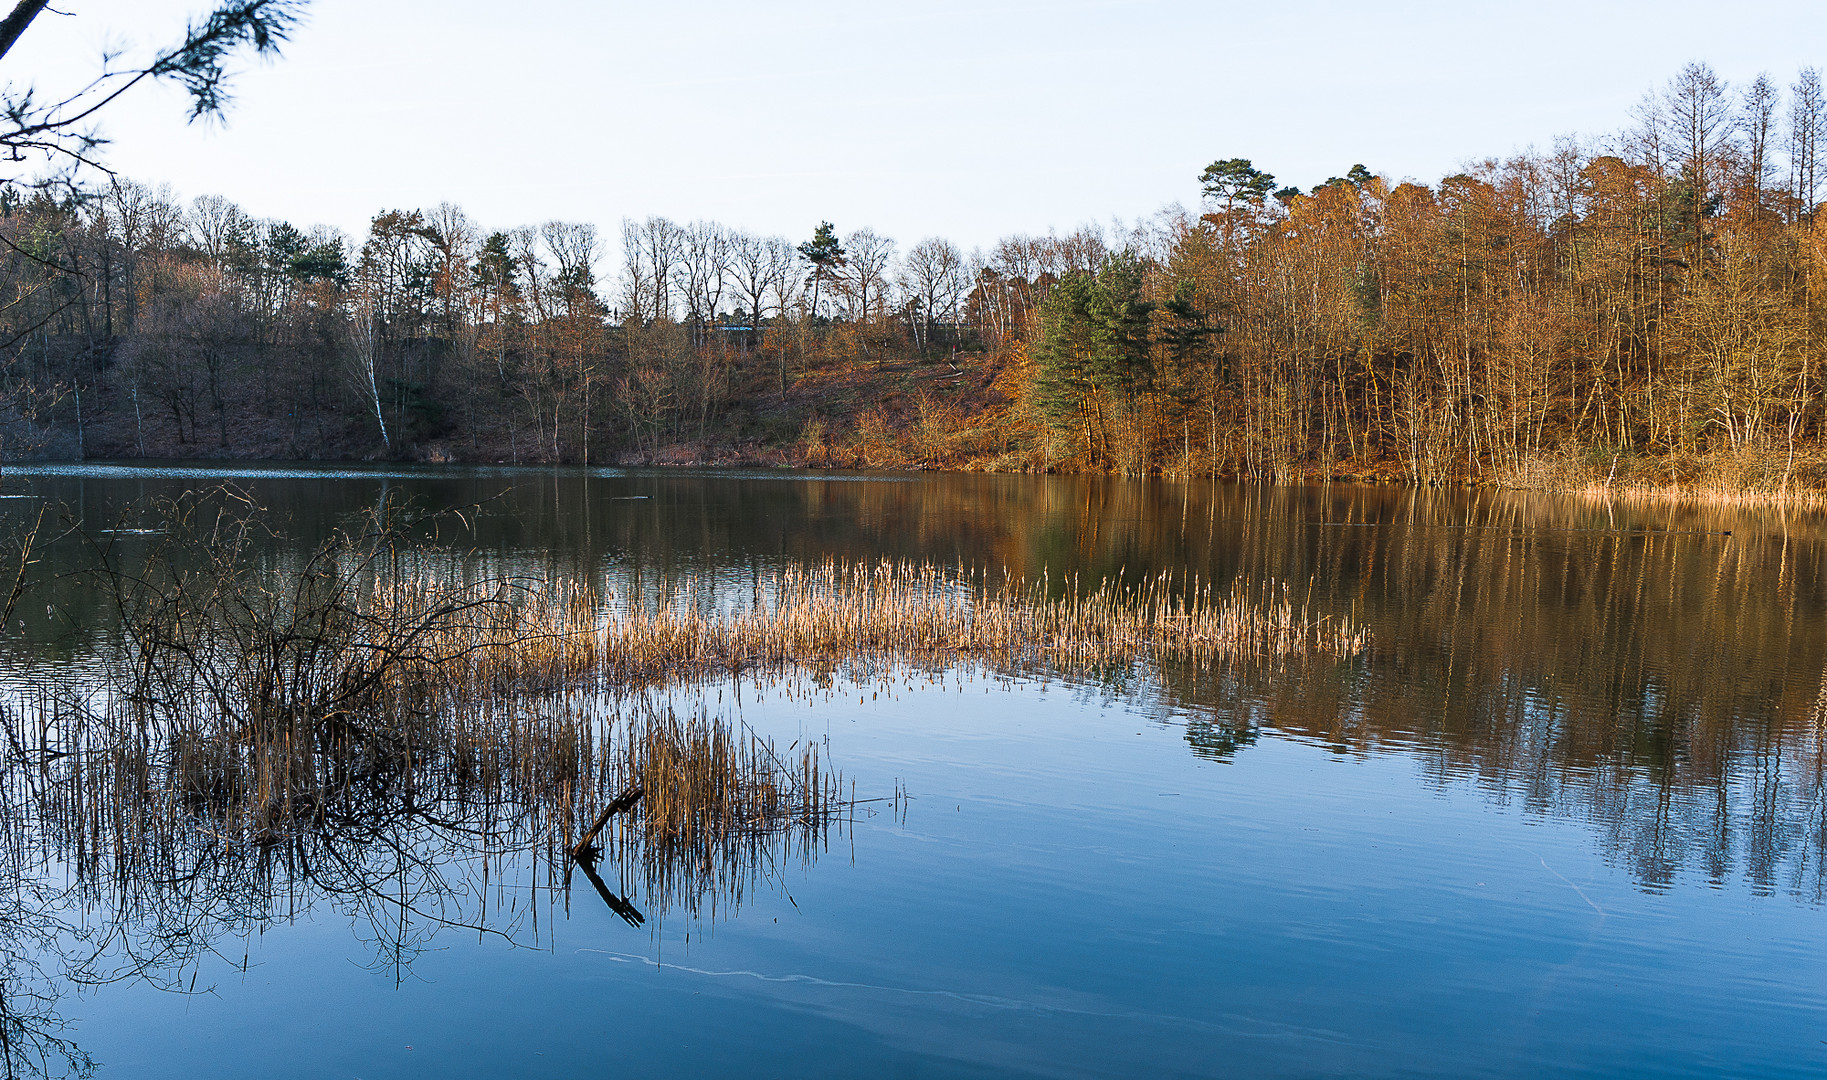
(1645, 301)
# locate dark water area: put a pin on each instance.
(1567, 815)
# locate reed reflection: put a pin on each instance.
(151, 856)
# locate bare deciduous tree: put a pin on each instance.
(1807, 125)
(864, 283)
(703, 272)
(216, 226)
(751, 273)
(934, 281)
(1756, 119)
(1700, 109)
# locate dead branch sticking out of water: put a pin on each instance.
(625, 801)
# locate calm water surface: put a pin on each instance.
(1567, 818)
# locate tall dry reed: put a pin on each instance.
(892, 612)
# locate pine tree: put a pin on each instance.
(1093, 350)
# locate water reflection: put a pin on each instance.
(1652, 672)
(1651, 668)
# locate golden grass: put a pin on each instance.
(1698, 494)
(1748, 477)
(719, 805)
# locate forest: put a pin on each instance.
(1639, 309)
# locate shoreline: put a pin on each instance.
(1710, 490)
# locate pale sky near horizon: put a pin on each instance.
(964, 120)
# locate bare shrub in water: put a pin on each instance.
(254, 673)
(280, 694)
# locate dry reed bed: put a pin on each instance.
(1768, 476)
(262, 711)
(752, 808)
(274, 700)
(1700, 494)
(251, 714)
(889, 613)
(363, 696)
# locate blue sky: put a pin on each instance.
(964, 120)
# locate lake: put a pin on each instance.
(1565, 816)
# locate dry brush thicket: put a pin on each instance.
(900, 613)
